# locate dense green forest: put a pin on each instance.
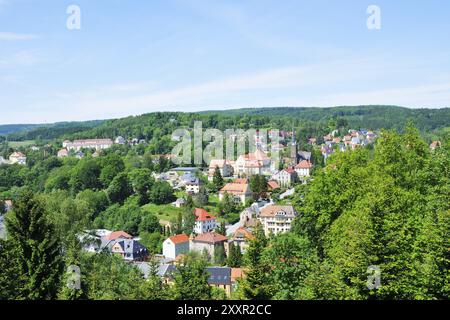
(308, 121)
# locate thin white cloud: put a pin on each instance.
(22, 58)
(312, 85)
(13, 36)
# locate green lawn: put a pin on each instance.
(18, 144)
(165, 212)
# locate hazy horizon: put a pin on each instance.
(207, 110)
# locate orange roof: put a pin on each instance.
(247, 234)
(273, 185)
(118, 234)
(233, 187)
(210, 237)
(304, 164)
(257, 155)
(241, 181)
(179, 238)
(203, 215)
(273, 210)
(236, 273)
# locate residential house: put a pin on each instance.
(120, 140)
(18, 158)
(225, 167)
(220, 277)
(79, 154)
(207, 242)
(236, 274)
(303, 168)
(238, 190)
(253, 164)
(98, 144)
(272, 185)
(179, 203)
(434, 145)
(8, 205)
(276, 219)
(285, 177)
(204, 222)
(176, 245)
(241, 238)
(130, 250)
(63, 153)
(193, 185)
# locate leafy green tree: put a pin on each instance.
(217, 179)
(119, 189)
(12, 280)
(38, 259)
(234, 256)
(188, 221)
(142, 181)
(191, 280)
(153, 288)
(291, 259)
(255, 285)
(85, 175)
(222, 230)
(202, 197)
(152, 241)
(219, 255)
(149, 223)
(161, 193)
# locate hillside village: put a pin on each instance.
(212, 211)
(268, 207)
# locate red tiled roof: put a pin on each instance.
(179, 238)
(272, 210)
(289, 170)
(244, 232)
(203, 215)
(304, 165)
(241, 181)
(273, 185)
(236, 273)
(118, 234)
(236, 188)
(210, 237)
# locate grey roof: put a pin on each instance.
(219, 275)
(132, 246)
(305, 155)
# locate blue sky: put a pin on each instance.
(132, 57)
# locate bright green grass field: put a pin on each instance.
(18, 144)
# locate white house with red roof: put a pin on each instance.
(285, 177)
(253, 163)
(204, 222)
(239, 190)
(18, 157)
(176, 245)
(303, 168)
(208, 242)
